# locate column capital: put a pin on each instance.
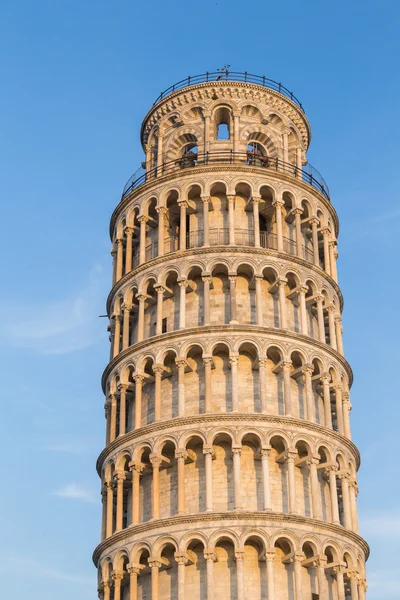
(127, 307)
(183, 283)
(233, 359)
(314, 221)
(208, 360)
(154, 562)
(161, 210)
(135, 466)
(120, 476)
(138, 378)
(256, 199)
(298, 557)
(303, 289)
(141, 297)
(239, 555)
(117, 575)
(231, 197)
(325, 231)
(321, 561)
(297, 211)
(122, 387)
(278, 203)
(319, 298)
(134, 568)
(181, 454)
(331, 308)
(265, 452)
(143, 219)
(157, 368)
(160, 289)
(232, 277)
(308, 369)
(182, 203)
(208, 450)
(281, 281)
(312, 460)
(236, 450)
(129, 230)
(290, 455)
(206, 277)
(262, 361)
(210, 555)
(155, 460)
(286, 365)
(206, 199)
(181, 362)
(181, 558)
(113, 399)
(325, 378)
(344, 476)
(331, 469)
(270, 554)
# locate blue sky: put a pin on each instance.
(77, 79)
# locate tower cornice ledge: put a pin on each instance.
(227, 418)
(235, 168)
(236, 518)
(222, 250)
(226, 329)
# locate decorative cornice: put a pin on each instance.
(159, 260)
(208, 419)
(193, 94)
(248, 169)
(225, 329)
(221, 518)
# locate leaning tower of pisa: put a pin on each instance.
(228, 471)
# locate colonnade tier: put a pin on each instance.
(217, 290)
(261, 559)
(276, 217)
(237, 465)
(228, 471)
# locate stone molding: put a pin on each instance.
(230, 330)
(228, 90)
(235, 168)
(184, 254)
(236, 518)
(235, 419)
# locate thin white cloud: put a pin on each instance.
(386, 583)
(71, 445)
(74, 491)
(380, 525)
(28, 567)
(59, 327)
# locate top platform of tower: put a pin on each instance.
(225, 85)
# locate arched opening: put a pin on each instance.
(194, 298)
(309, 583)
(218, 215)
(196, 571)
(278, 475)
(298, 392)
(268, 237)
(194, 381)
(221, 380)
(195, 481)
(220, 296)
(148, 393)
(222, 123)
(284, 571)
(248, 380)
(145, 487)
(270, 298)
(223, 487)
(225, 581)
(168, 574)
(251, 473)
(303, 488)
(172, 224)
(144, 578)
(274, 391)
(168, 481)
(323, 480)
(171, 303)
(194, 218)
(254, 569)
(169, 387)
(245, 295)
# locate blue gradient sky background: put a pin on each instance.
(77, 78)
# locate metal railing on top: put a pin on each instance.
(225, 75)
(307, 174)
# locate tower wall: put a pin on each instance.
(229, 470)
